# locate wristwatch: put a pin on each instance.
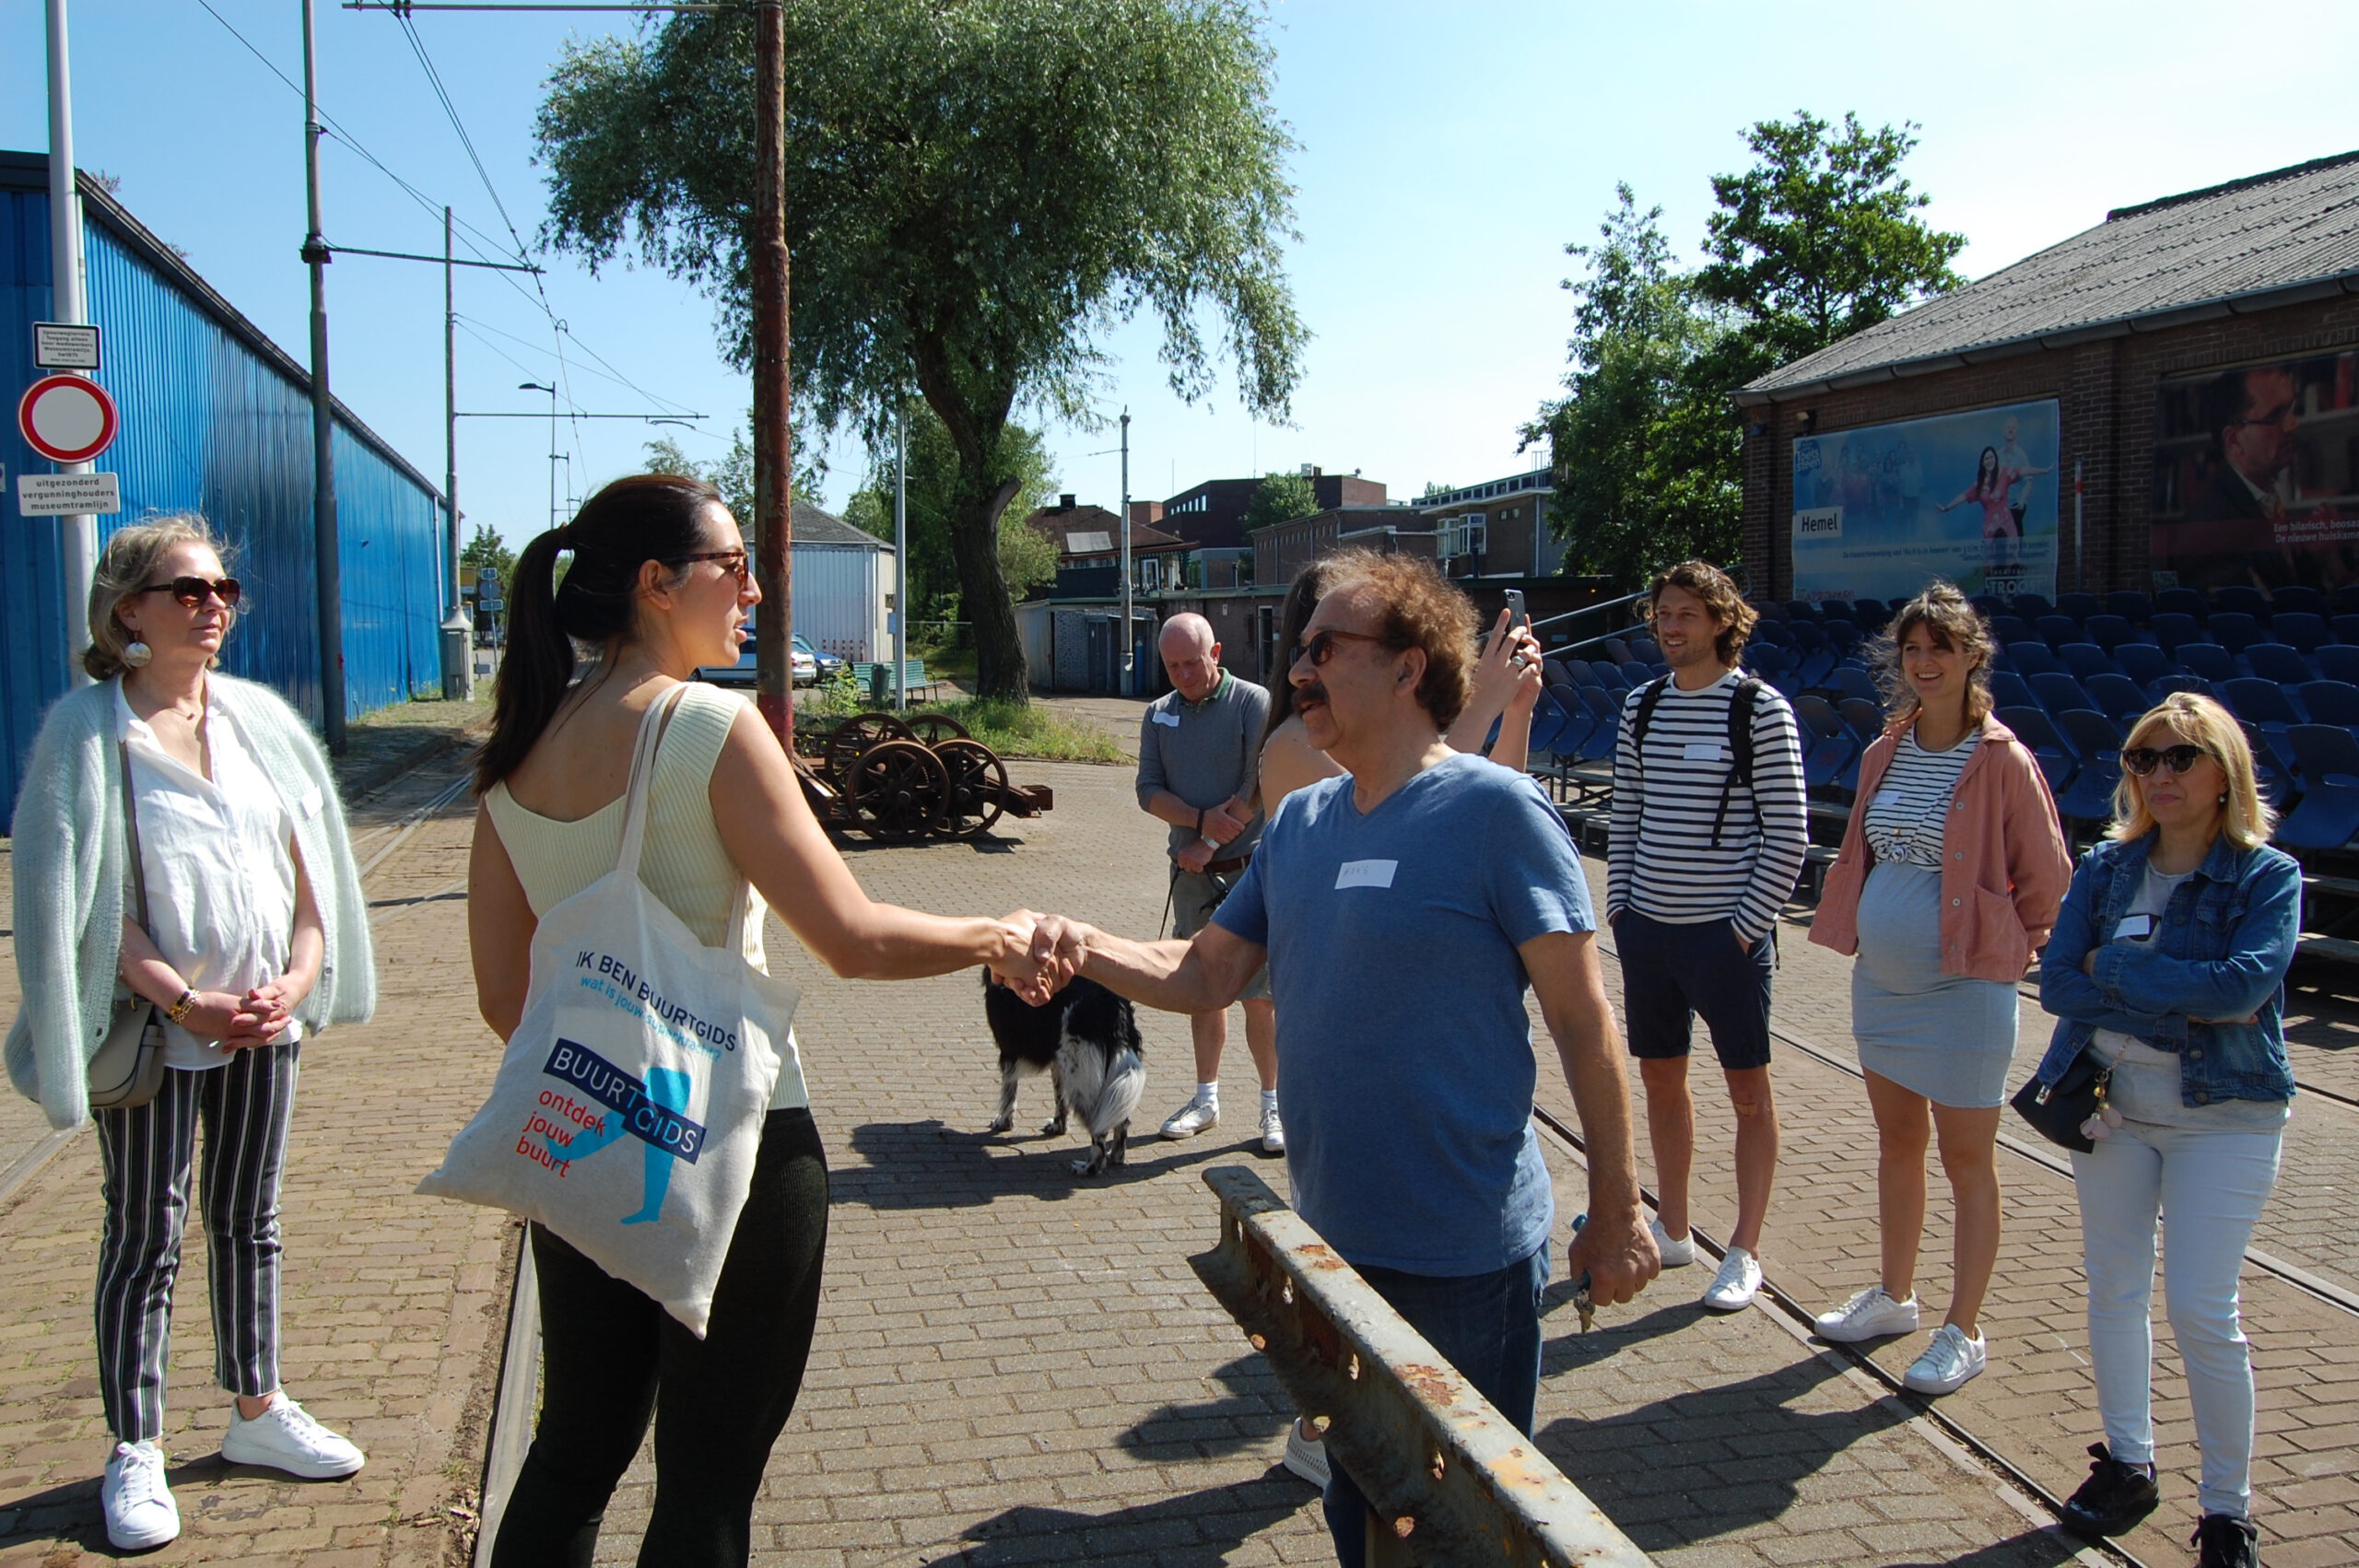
(178, 1012)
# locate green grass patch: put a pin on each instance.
(1030, 731)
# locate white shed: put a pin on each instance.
(842, 586)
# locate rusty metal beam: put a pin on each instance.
(1451, 1481)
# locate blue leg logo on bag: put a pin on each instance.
(653, 1112)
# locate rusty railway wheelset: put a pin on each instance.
(897, 779)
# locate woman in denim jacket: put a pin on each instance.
(2168, 959)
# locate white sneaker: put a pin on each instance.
(1273, 1131)
(1736, 1284)
(1192, 1119)
(1948, 1363)
(284, 1438)
(139, 1507)
(1306, 1456)
(1871, 1315)
(1675, 1254)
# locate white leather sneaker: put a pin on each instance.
(139, 1507)
(1871, 1315)
(1948, 1363)
(1192, 1119)
(284, 1438)
(1736, 1284)
(1675, 1254)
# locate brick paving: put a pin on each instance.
(1013, 1368)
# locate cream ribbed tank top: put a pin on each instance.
(683, 863)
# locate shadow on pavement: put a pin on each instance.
(1198, 1530)
(930, 1165)
(1255, 1409)
(2033, 1549)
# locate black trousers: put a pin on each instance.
(611, 1357)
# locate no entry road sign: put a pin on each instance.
(67, 418)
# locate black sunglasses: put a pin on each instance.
(191, 591)
(1319, 645)
(735, 562)
(2143, 760)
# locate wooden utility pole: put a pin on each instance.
(773, 423)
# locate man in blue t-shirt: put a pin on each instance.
(1403, 909)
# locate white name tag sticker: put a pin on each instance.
(1165, 716)
(1705, 751)
(2134, 928)
(309, 806)
(1366, 874)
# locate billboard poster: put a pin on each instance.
(1881, 510)
(2257, 475)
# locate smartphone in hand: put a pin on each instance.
(1515, 607)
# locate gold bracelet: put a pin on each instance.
(178, 1012)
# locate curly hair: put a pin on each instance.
(2244, 817)
(1952, 623)
(1422, 609)
(1721, 597)
(128, 564)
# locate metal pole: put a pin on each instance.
(773, 423)
(78, 536)
(554, 521)
(1130, 682)
(327, 555)
(2080, 582)
(459, 682)
(901, 555)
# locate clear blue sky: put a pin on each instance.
(1449, 151)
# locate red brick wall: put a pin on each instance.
(2107, 391)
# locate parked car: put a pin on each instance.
(802, 666)
(825, 666)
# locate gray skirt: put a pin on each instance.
(1948, 1037)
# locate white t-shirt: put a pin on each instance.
(219, 858)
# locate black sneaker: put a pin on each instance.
(2224, 1540)
(2114, 1498)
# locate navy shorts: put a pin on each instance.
(1673, 974)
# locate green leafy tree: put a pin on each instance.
(1819, 240)
(485, 548)
(733, 473)
(1646, 450)
(1280, 497)
(975, 194)
(933, 488)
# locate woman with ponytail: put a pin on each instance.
(660, 584)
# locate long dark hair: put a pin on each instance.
(648, 517)
(1953, 622)
(1986, 479)
(1303, 595)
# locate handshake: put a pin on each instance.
(1036, 955)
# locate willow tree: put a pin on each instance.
(977, 192)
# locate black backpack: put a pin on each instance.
(1742, 702)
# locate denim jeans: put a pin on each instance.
(1487, 1326)
(2210, 1187)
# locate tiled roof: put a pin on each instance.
(2254, 243)
(812, 526)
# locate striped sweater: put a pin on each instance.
(1661, 860)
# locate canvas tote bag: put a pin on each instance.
(629, 1104)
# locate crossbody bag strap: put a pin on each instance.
(131, 830)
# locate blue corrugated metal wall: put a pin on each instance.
(210, 424)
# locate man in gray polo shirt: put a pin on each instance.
(1200, 766)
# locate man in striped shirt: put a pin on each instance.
(1709, 830)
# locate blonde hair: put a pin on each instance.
(2246, 818)
(127, 565)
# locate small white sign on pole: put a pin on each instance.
(68, 495)
(63, 345)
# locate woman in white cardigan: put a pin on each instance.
(255, 935)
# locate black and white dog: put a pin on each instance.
(1086, 1039)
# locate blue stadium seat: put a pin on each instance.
(1849, 680)
(1618, 650)
(1827, 744)
(2182, 602)
(2083, 659)
(1644, 649)
(2055, 754)
(2302, 630)
(2059, 629)
(2340, 661)
(2011, 690)
(2080, 607)
(1987, 604)
(1772, 628)
(1767, 609)
(2331, 702)
(2240, 599)
(2130, 605)
(1873, 614)
(1637, 672)
(1802, 609)
(2275, 661)
(2109, 631)
(2235, 630)
(2278, 786)
(2143, 662)
(2264, 705)
(2346, 628)
(2120, 698)
(2346, 598)
(1609, 675)
(2089, 798)
(2031, 607)
(1605, 706)
(2173, 630)
(2033, 659)
(2177, 681)
(2295, 599)
(1843, 634)
(2326, 817)
(2209, 662)
(2062, 694)
(1864, 720)
(1569, 672)
(2013, 629)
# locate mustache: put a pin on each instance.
(1315, 692)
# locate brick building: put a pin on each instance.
(2192, 363)
(1498, 528)
(1213, 514)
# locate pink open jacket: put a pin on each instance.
(2004, 868)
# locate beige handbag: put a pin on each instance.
(129, 1068)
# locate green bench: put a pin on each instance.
(875, 679)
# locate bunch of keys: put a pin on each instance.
(1583, 1302)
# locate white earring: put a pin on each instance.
(137, 653)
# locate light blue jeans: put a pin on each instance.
(2208, 1185)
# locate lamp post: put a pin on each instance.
(536, 386)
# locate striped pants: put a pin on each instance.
(150, 1152)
